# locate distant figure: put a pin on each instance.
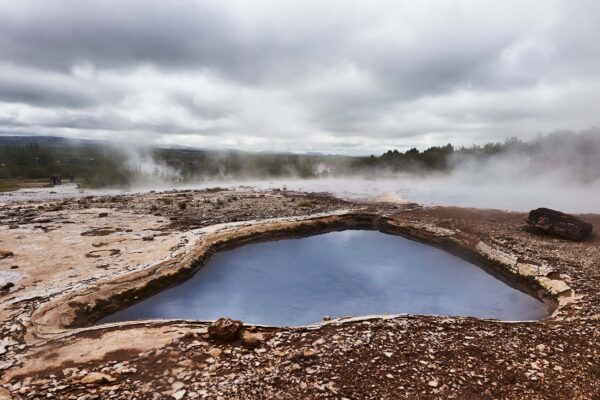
(71, 178)
(55, 180)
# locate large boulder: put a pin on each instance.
(224, 330)
(560, 224)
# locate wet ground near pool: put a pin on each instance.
(349, 273)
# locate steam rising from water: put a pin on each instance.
(561, 157)
(561, 171)
(147, 170)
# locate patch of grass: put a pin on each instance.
(306, 204)
(9, 185)
(595, 371)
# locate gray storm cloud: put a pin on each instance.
(338, 76)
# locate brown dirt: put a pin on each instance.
(385, 357)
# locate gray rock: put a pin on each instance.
(146, 236)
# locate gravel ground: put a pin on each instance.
(363, 358)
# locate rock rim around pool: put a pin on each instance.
(559, 224)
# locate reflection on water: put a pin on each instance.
(298, 281)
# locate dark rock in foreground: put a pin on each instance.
(224, 330)
(6, 254)
(560, 224)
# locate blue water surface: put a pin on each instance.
(349, 273)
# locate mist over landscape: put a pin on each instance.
(559, 170)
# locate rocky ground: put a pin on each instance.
(65, 263)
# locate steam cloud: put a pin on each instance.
(560, 170)
(345, 77)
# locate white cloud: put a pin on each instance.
(338, 76)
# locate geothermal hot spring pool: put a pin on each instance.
(348, 273)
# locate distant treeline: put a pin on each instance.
(98, 164)
(435, 158)
(575, 156)
(196, 164)
(95, 167)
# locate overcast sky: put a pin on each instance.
(333, 76)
